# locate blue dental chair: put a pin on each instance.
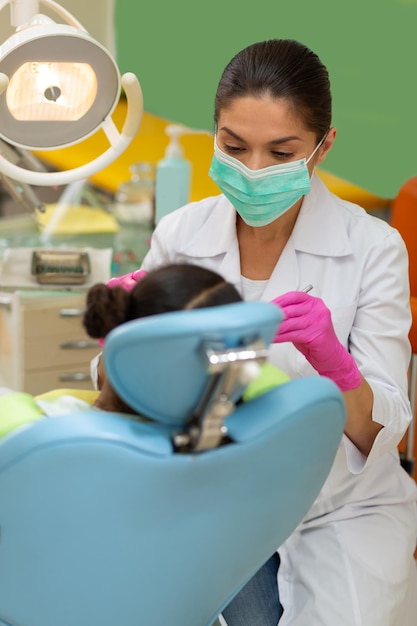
(109, 520)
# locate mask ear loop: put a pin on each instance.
(317, 147)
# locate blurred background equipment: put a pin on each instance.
(59, 86)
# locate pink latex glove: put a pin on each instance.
(127, 281)
(308, 325)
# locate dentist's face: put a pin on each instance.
(265, 131)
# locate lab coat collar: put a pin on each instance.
(320, 228)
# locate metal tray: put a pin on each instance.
(60, 267)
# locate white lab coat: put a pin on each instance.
(350, 561)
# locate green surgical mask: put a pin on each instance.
(260, 196)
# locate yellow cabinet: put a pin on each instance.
(43, 344)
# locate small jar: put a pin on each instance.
(135, 198)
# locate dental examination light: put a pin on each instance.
(59, 86)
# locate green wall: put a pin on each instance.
(178, 51)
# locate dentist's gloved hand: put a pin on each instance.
(308, 325)
(127, 281)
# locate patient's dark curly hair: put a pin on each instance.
(168, 288)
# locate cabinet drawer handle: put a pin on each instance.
(82, 344)
(71, 312)
(6, 301)
(77, 376)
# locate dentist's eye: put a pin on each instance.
(282, 156)
(233, 149)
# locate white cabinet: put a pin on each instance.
(43, 344)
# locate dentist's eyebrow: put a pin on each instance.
(273, 142)
(284, 140)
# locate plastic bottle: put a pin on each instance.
(135, 198)
(173, 174)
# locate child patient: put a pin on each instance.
(168, 288)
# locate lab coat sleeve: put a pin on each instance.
(202, 232)
(380, 345)
(167, 243)
(157, 254)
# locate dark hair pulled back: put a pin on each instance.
(280, 68)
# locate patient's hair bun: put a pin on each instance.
(107, 307)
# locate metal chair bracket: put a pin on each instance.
(230, 371)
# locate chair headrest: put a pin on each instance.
(157, 366)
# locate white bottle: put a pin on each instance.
(173, 175)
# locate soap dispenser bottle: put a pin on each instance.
(173, 175)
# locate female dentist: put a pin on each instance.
(274, 229)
